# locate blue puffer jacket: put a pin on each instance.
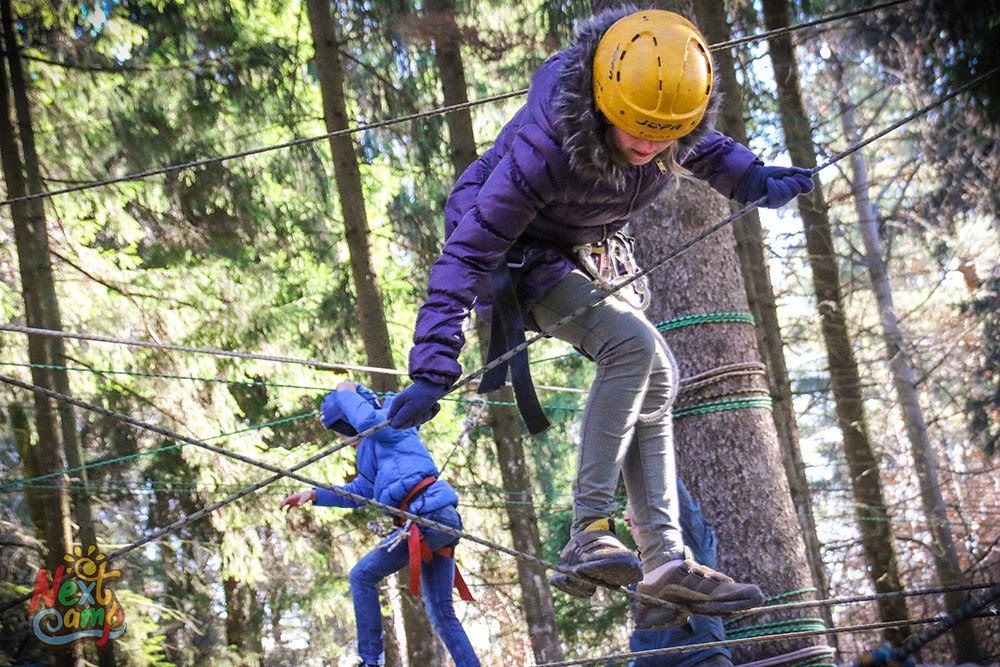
(550, 181)
(390, 462)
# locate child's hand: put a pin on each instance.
(300, 498)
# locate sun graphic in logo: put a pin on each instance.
(89, 567)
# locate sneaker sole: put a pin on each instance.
(707, 606)
(571, 586)
(617, 571)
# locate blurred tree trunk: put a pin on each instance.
(904, 380)
(536, 596)
(422, 645)
(28, 456)
(877, 535)
(244, 617)
(749, 234)
(31, 239)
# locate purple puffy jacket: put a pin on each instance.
(549, 182)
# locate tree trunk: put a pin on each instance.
(712, 19)
(81, 506)
(946, 559)
(878, 539)
(536, 596)
(31, 239)
(243, 623)
(370, 310)
(423, 647)
(730, 459)
(28, 455)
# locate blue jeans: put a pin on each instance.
(436, 580)
(699, 629)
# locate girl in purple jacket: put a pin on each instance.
(395, 468)
(608, 124)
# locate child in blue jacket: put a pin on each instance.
(395, 468)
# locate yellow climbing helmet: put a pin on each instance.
(653, 75)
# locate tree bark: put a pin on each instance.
(878, 539)
(31, 239)
(730, 460)
(243, 623)
(749, 235)
(370, 310)
(422, 645)
(904, 380)
(536, 596)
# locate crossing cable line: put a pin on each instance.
(728, 643)
(140, 175)
(321, 365)
(291, 472)
(469, 378)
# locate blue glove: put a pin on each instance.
(780, 184)
(416, 404)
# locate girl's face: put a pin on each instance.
(635, 150)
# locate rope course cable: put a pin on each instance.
(616, 658)
(134, 342)
(192, 164)
(292, 474)
(469, 378)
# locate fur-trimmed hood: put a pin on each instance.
(582, 127)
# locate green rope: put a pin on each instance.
(710, 318)
(158, 450)
(770, 600)
(719, 406)
(777, 627)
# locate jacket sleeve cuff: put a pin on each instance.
(327, 498)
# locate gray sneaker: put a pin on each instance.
(598, 554)
(702, 590)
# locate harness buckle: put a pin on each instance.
(611, 264)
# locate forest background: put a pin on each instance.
(319, 251)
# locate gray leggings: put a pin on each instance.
(636, 374)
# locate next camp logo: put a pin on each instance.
(77, 604)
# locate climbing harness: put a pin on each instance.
(416, 545)
(507, 333)
(611, 264)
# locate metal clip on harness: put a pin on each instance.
(610, 264)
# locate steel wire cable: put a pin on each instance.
(400, 119)
(291, 472)
(728, 643)
(571, 316)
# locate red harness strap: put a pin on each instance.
(418, 549)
